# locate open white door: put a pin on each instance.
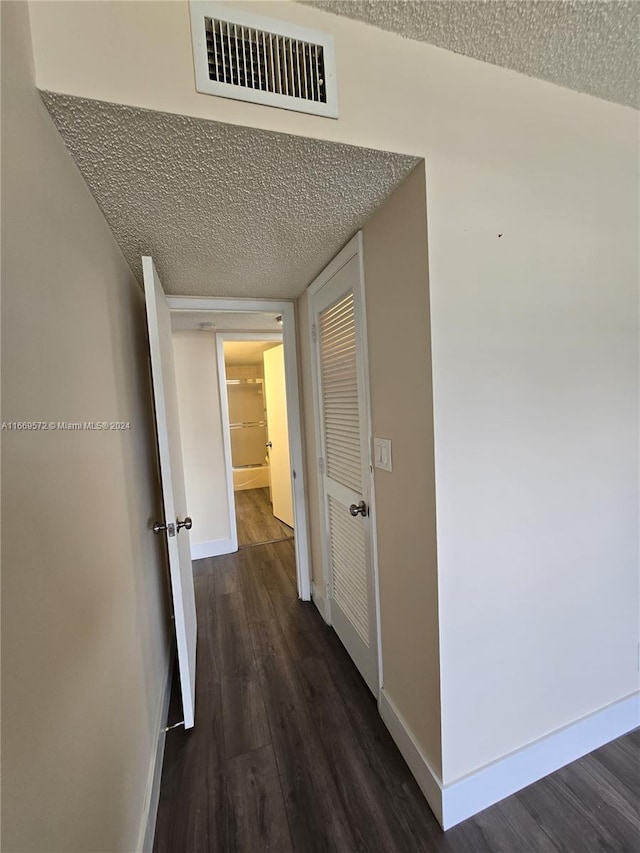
(341, 402)
(275, 398)
(176, 523)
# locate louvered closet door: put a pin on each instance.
(345, 466)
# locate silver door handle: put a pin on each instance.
(159, 527)
(358, 509)
(187, 523)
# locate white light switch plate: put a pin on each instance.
(382, 453)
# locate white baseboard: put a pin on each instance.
(319, 601)
(212, 548)
(152, 796)
(465, 797)
(424, 774)
(490, 784)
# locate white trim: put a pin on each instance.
(222, 304)
(424, 774)
(226, 442)
(250, 335)
(200, 10)
(319, 601)
(317, 431)
(343, 257)
(469, 795)
(352, 249)
(372, 483)
(152, 794)
(294, 409)
(212, 548)
(504, 777)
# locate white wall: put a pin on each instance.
(312, 501)
(85, 637)
(534, 342)
(196, 363)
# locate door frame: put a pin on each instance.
(183, 304)
(353, 248)
(221, 337)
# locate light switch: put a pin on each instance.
(382, 453)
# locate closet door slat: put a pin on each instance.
(339, 379)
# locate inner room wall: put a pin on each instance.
(85, 617)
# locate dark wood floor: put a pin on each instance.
(289, 753)
(255, 519)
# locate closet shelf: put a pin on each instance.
(245, 424)
(245, 381)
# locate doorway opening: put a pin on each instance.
(254, 400)
(253, 491)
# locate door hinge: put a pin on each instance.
(321, 464)
(314, 333)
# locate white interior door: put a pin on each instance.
(275, 398)
(176, 524)
(342, 408)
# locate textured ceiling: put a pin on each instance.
(224, 210)
(586, 45)
(215, 321)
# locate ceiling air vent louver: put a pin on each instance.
(251, 58)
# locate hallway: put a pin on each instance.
(255, 519)
(289, 753)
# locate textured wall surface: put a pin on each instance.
(224, 210)
(593, 47)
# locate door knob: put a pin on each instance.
(269, 444)
(358, 509)
(159, 527)
(187, 523)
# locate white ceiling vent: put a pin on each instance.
(251, 58)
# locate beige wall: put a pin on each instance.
(398, 334)
(533, 271)
(196, 363)
(395, 250)
(84, 636)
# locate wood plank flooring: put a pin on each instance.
(289, 754)
(255, 519)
